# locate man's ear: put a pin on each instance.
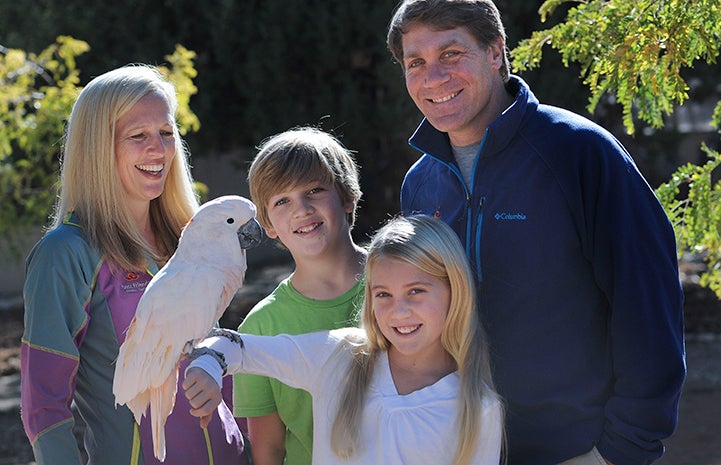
(496, 52)
(349, 206)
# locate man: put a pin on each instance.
(575, 258)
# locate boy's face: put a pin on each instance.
(310, 218)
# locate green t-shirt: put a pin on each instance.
(286, 311)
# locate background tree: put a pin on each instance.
(34, 103)
(264, 66)
(267, 65)
(38, 92)
(635, 52)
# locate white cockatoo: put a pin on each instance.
(180, 305)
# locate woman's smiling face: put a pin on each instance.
(145, 147)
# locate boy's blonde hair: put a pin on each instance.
(431, 246)
(89, 181)
(297, 156)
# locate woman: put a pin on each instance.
(125, 195)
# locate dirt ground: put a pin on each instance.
(696, 442)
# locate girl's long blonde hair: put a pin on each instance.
(431, 246)
(89, 182)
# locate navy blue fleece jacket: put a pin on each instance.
(577, 277)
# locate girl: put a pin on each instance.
(410, 386)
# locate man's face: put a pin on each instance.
(453, 81)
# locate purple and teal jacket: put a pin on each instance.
(76, 314)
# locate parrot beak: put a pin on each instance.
(250, 234)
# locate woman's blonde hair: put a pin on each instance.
(89, 181)
(431, 246)
(297, 156)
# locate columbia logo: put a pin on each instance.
(510, 217)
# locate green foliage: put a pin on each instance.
(181, 73)
(696, 217)
(634, 49)
(263, 66)
(37, 93)
(201, 190)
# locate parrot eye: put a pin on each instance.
(230, 220)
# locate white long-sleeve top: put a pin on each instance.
(415, 428)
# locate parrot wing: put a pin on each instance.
(179, 307)
(146, 372)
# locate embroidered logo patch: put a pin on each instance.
(510, 216)
(133, 283)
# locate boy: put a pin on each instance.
(306, 189)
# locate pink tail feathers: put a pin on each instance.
(162, 400)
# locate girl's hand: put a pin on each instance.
(203, 393)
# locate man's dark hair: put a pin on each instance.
(479, 17)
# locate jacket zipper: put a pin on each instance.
(479, 227)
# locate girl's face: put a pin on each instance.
(410, 307)
(144, 149)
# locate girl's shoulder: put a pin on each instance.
(351, 334)
(347, 342)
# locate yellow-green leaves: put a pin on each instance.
(633, 49)
(181, 73)
(37, 93)
(693, 204)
